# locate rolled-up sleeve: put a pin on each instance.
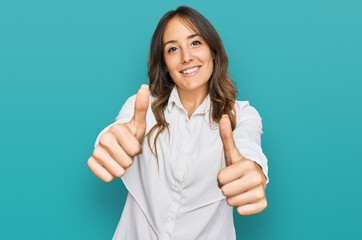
(247, 135)
(125, 115)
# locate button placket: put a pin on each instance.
(179, 180)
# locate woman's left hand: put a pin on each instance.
(242, 182)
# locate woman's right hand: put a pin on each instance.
(121, 143)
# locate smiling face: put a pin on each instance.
(187, 56)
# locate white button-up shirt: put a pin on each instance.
(180, 199)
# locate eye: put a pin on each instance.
(171, 49)
(196, 42)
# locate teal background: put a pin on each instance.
(67, 67)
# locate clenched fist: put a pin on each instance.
(242, 182)
(121, 143)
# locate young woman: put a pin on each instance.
(186, 150)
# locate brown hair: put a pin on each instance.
(221, 88)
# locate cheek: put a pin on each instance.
(210, 67)
(206, 57)
(171, 63)
(209, 61)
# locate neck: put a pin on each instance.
(192, 99)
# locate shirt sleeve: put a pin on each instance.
(125, 115)
(247, 135)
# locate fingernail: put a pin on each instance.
(225, 115)
(144, 86)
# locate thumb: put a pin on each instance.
(231, 152)
(138, 121)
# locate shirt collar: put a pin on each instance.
(174, 99)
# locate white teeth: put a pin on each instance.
(191, 70)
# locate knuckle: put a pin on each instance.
(224, 191)
(264, 204)
(127, 163)
(90, 162)
(220, 177)
(108, 179)
(260, 194)
(119, 173)
(229, 202)
(97, 152)
(115, 128)
(241, 211)
(248, 164)
(135, 150)
(259, 179)
(105, 139)
(256, 180)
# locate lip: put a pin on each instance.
(190, 68)
(190, 74)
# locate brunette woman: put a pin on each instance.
(186, 150)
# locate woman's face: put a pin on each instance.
(188, 58)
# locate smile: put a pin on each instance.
(190, 71)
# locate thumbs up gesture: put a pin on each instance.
(121, 143)
(242, 182)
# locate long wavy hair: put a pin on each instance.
(221, 88)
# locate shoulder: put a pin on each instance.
(247, 118)
(246, 113)
(239, 105)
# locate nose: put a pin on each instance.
(186, 56)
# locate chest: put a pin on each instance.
(190, 149)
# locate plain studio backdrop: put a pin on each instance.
(67, 67)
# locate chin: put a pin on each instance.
(193, 87)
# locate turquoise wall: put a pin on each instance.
(66, 68)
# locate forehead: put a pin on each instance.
(178, 28)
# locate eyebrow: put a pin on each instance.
(189, 37)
